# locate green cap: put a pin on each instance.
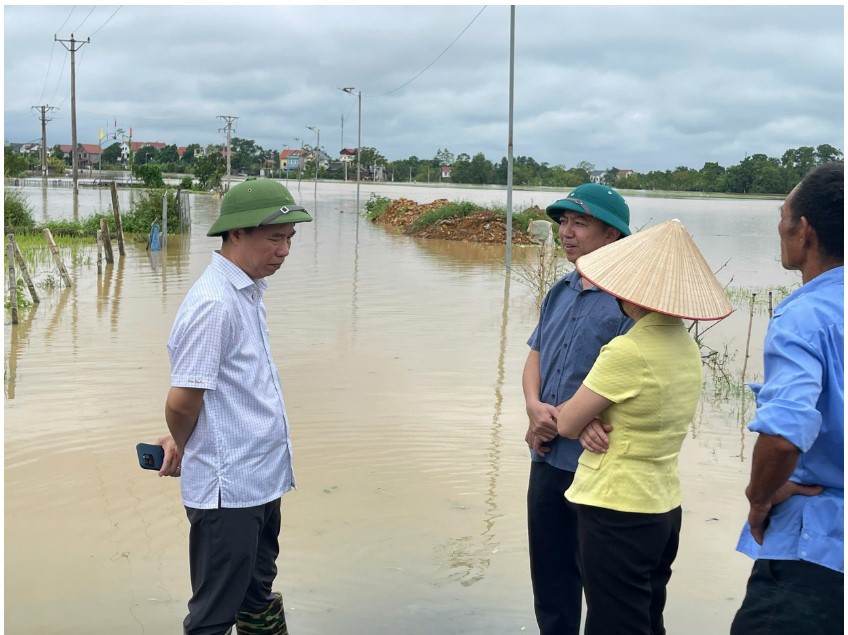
(257, 202)
(597, 200)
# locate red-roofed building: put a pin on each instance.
(290, 159)
(88, 154)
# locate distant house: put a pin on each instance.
(347, 155)
(88, 154)
(598, 176)
(290, 159)
(446, 171)
(181, 150)
(137, 145)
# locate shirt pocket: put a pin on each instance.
(591, 460)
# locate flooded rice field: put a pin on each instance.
(401, 363)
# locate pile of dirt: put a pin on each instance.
(485, 226)
(480, 227)
(402, 212)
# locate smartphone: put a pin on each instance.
(150, 457)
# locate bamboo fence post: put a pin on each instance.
(57, 258)
(748, 340)
(107, 241)
(771, 311)
(99, 252)
(164, 220)
(24, 270)
(119, 227)
(13, 285)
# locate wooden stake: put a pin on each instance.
(13, 283)
(99, 252)
(107, 241)
(771, 311)
(24, 270)
(748, 340)
(119, 227)
(57, 258)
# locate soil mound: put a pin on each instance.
(485, 226)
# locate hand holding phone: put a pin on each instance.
(150, 457)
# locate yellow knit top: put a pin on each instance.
(653, 376)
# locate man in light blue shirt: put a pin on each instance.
(795, 528)
(225, 411)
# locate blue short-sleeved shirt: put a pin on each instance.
(802, 400)
(573, 326)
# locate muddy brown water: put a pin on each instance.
(401, 362)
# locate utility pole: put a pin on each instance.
(75, 45)
(342, 147)
(317, 155)
(44, 110)
(229, 119)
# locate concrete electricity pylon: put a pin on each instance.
(75, 45)
(229, 119)
(43, 110)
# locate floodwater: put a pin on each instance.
(401, 363)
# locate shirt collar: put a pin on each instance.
(575, 281)
(237, 277)
(829, 277)
(656, 319)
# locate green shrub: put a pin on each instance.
(375, 206)
(17, 212)
(186, 183)
(451, 210)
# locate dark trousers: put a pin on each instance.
(554, 564)
(233, 560)
(791, 597)
(626, 560)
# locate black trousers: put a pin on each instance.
(233, 560)
(791, 597)
(554, 563)
(626, 561)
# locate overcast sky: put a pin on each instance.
(645, 88)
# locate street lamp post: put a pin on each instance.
(108, 135)
(317, 154)
(299, 163)
(349, 91)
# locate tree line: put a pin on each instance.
(755, 174)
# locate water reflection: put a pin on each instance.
(18, 343)
(468, 557)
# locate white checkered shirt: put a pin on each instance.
(240, 449)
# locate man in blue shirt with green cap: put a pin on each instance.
(575, 321)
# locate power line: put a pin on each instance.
(66, 19)
(107, 21)
(46, 77)
(86, 18)
(440, 54)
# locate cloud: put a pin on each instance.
(643, 87)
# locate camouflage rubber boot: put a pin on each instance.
(271, 621)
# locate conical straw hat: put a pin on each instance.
(660, 269)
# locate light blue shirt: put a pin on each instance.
(802, 400)
(240, 449)
(573, 326)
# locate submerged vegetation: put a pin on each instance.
(147, 207)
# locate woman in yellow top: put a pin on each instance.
(637, 403)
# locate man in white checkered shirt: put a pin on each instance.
(230, 439)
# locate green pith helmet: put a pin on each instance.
(257, 202)
(597, 200)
